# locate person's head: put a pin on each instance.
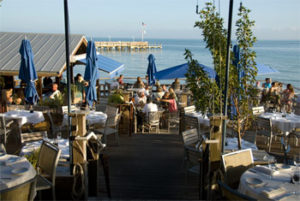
(121, 76)
(149, 100)
(164, 87)
(290, 88)
(139, 79)
(171, 90)
(268, 80)
(172, 96)
(54, 86)
(258, 83)
(78, 77)
(176, 80)
(141, 94)
(166, 95)
(280, 84)
(159, 89)
(147, 87)
(273, 84)
(146, 77)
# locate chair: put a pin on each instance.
(151, 120)
(55, 126)
(189, 109)
(191, 144)
(172, 118)
(232, 194)
(296, 134)
(111, 111)
(264, 127)
(111, 127)
(4, 129)
(46, 166)
(235, 164)
(258, 110)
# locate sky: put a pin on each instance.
(275, 19)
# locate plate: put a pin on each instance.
(20, 170)
(283, 166)
(254, 181)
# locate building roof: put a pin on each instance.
(48, 50)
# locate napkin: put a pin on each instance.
(265, 170)
(273, 192)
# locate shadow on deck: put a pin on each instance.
(148, 167)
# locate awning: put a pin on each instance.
(180, 71)
(110, 66)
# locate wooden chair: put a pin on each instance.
(296, 134)
(4, 129)
(111, 127)
(232, 194)
(264, 128)
(172, 119)
(46, 166)
(111, 111)
(189, 109)
(191, 144)
(235, 164)
(151, 120)
(258, 110)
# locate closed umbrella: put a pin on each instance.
(151, 70)
(27, 72)
(91, 73)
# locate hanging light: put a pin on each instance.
(197, 7)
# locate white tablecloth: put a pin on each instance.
(263, 183)
(24, 116)
(285, 124)
(232, 144)
(93, 117)
(202, 120)
(63, 145)
(14, 170)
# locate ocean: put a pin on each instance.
(281, 55)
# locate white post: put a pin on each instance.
(142, 33)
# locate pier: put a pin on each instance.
(125, 45)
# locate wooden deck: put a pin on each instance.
(149, 167)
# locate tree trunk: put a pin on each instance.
(239, 135)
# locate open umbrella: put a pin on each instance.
(180, 71)
(91, 73)
(151, 70)
(27, 72)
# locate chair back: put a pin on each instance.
(48, 160)
(263, 126)
(153, 117)
(190, 136)
(2, 125)
(191, 122)
(190, 109)
(235, 164)
(111, 111)
(258, 110)
(113, 121)
(32, 136)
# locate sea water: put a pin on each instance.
(281, 55)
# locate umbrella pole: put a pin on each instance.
(66, 13)
(227, 75)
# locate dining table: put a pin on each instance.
(14, 171)
(92, 117)
(286, 122)
(271, 182)
(25, 116)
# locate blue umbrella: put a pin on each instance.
(180, 71)
(91, 73)
(27, 72)
(151, 70)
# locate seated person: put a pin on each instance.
(164, 104)
(176, 84)
(115, 85)
(159, 94)
(150, 107)
(139, 83)
(146, 91)
(54, 92)
(140, 99)
(171, 102)
(267, 84)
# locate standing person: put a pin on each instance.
(288, 95)
(120, 80)
(80, 85)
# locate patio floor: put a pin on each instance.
(148, 167)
